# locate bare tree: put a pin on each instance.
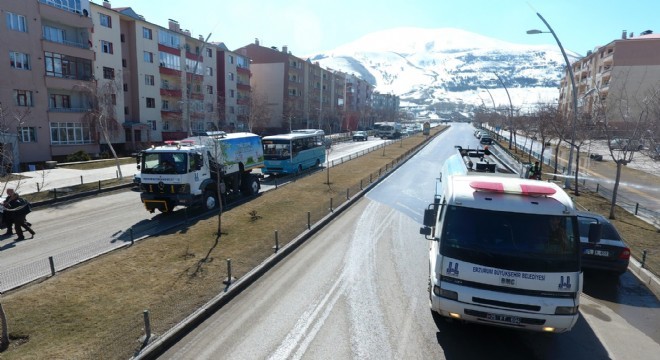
(101, 113)
(258, 113)
(625, 122)
(10, 120)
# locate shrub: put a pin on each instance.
(78, 156)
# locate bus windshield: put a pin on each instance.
(277, 149)
(508, 240)
(164, 163)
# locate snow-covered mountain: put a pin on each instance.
(432, 67)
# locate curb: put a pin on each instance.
(81, 195)
(651, 281)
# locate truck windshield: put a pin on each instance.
(509, 240)
(164, 163)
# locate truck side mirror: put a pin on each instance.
(430, 215)
(595, 231)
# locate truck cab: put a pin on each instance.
(199, 171)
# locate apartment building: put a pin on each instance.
(358, 103)
(233, 89)
(169, 78)
(297, 93)
(385, 106)
(621, 72)
(49, 45)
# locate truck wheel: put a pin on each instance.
(250, 185)
(318, 162)
(210, 200)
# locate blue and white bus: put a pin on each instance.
(294, 152)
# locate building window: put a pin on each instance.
(149, 80)
(148, 57)
(23, 97)
(230, 76)
(65, 66)
(165, 105)
(170, 61)
(27, 134)
(231, 59)
(16, 22)
(146, 33)
(231, 93)
(105, 20)
(57, 101)
(123, 62)
(106, 47)
(166, 125)
(169, 39)
(113, 99)
(151, 124)
(232, 110)
(209, 52)
(19, 60)
(108, 73)
(151, 102)
(125, 87)
(209, 71)
(125, 110)
(70, 133)
(209, 89)
(122, 37)
(54, 34)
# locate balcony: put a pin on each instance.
(58, 12)
(242, 86)
(68, 110)
(68, 43)
(64, 81)
(167, 71)
(608, 58)
(175, 93)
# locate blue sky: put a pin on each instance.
(312, 26)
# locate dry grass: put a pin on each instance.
(95, 310)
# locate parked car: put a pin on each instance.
(486, 140)
(654, 153)
(360, 136)
(609, 253)
(626, 144)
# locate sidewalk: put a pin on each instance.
(45, 180)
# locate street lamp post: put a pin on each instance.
(510, 111)
(567, 183)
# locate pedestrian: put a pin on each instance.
(16, 209)
(535, 171)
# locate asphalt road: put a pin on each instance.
(357, 289)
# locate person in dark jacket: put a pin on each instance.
(16, 209)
